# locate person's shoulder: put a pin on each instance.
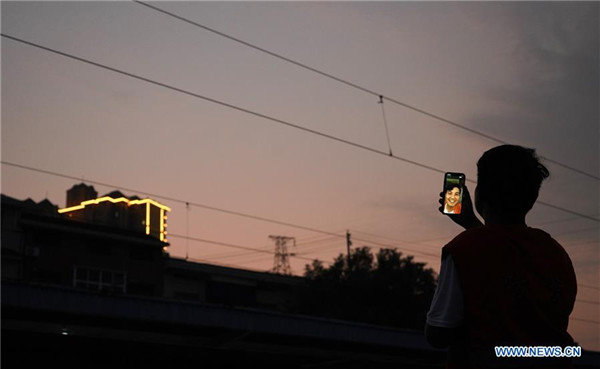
(468, 238)
(469, 235)
(544, 238)
(539, 232)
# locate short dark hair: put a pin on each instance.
(451, 186)
(509, 179)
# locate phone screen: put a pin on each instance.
(453, 192)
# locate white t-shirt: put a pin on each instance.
(446, 309)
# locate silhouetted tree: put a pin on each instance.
(387, 289)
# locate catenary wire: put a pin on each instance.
(392, 240)
(246, 258)
(581, 243)
(234, 254)
(326, 246)
(585, 320)
(222, 103)
(317, 241)
(229, 254)
(276, 120)
(231, 245)
(354, 85)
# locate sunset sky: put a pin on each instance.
(523, 73)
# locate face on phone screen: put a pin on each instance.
(453, 191)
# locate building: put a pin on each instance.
(40, 245)
(116, 210)
(106, 244)
(200, 282)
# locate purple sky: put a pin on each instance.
(525, 73)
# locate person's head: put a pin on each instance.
(508, 181)
(452, 196)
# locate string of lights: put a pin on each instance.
(584, 320)
(276, 120)
(353, 85)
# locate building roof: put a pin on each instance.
(177, 264)
(83, 185)
(90, 229)
(45, 215)
(116, 194)
(44, 206)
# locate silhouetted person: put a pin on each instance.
(502, 283)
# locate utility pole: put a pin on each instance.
(348, 242)
(281, 263)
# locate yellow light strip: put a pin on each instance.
(120, 199)
(162, 225)
(147, 218)
(148, 202)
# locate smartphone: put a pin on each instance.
(454, 184)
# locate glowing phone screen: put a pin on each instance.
(453, 191)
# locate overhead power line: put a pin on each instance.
(353, 85)
(585, 320)
(319, 249)
(276, 120)
(231, 245)
(222, 103)
(392, 246)
(199, 205)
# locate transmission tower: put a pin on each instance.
(281, 263)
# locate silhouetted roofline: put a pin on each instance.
(174, 263)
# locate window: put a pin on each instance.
(99, 279)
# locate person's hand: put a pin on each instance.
(467, 218)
